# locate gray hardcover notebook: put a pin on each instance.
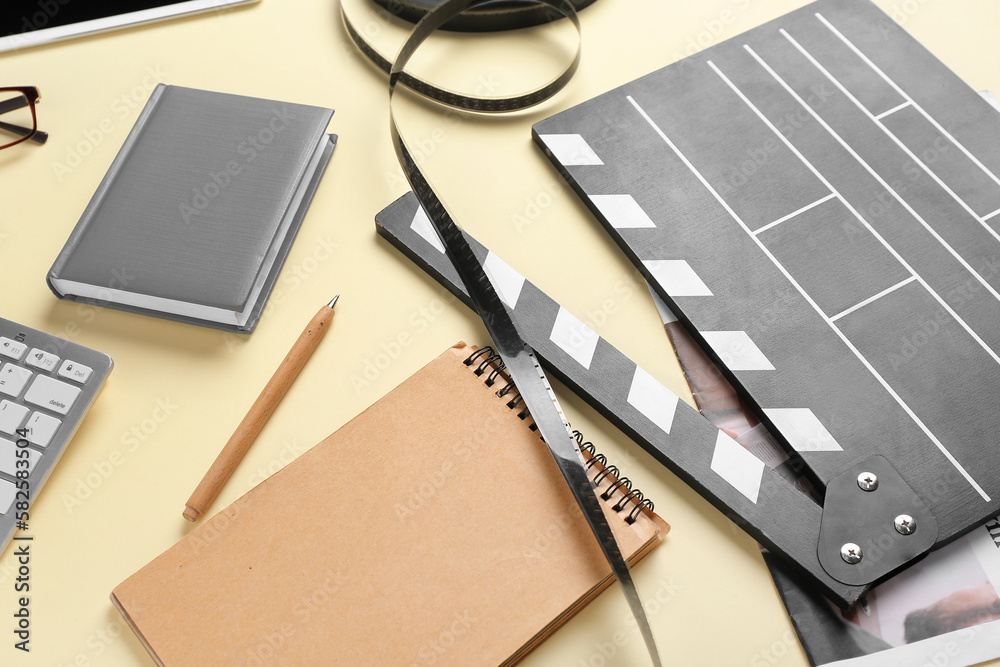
(197, 212)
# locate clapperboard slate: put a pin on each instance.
(818, 199)
(773, 511)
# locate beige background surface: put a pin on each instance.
(177, 391)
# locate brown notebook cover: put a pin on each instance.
(434, 527)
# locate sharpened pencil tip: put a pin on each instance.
(331, 304)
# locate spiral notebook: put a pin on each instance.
(433, 528)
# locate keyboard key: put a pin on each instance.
(41, 428)
(51, 394)
(11, 416)
(71, 370)
(12, 379)
(69, 375)
(7, 493)
(11, 348)
(9, 457)
(41, 359)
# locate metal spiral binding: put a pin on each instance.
(484, 358)
(618, 484)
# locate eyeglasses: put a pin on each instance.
(17, 116)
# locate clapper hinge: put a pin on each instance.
(873, 523)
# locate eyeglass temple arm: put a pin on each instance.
(38, 137)
(13, 103)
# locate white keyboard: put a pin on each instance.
(47, 386)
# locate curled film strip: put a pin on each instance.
(518, 356)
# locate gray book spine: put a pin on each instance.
(102, 189)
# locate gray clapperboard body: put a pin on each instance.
(818, 200)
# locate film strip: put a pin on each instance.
(517, 355)
(618, 488)
(753, 496)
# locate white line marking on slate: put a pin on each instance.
(574, 337)
(803, 430)
(992, 215)
(872, 298)
(422, 225)
(795, 213)
(893, 110)
(788, 276)
(622, 211)
(676, 277)
(506, 281)
(737, 466)
(907, 97)
(944, 186)
(899, 258)
(652, 399)
(666, 315)
(737, 350)
(571, 150)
